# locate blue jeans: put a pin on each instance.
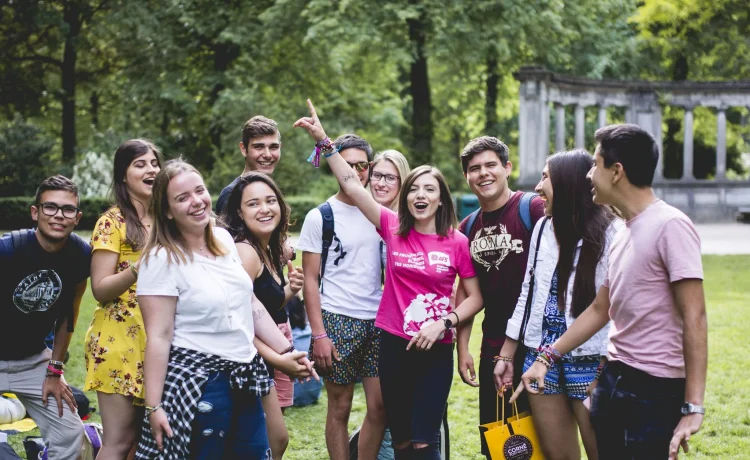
(228, 423)
(634, 414)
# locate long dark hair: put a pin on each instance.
(576, 217)
(135, 232)
(232, 220)
(445, 217)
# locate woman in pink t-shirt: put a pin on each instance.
(425, 253)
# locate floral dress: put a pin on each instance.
(116, 340)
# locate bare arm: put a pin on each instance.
(106, 284)
(311, 270)
(158, 318)
(348, 180)
(62, 336)
(691, 303)
(266, 329)
(463, 330)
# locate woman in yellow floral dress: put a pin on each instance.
(116, 340)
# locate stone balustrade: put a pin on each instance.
(642, 101)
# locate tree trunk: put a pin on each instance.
(94, 103)
(72, 17)
(491, 124)
(422, 128)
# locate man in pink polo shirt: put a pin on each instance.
(649, 397)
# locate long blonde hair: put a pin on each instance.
(165, 234)
(398, 160)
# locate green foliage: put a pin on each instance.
(15, 213)
(25, 157)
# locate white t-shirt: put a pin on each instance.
(214, 311)
(351, 285)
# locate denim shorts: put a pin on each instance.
(415, 387)
(228, 423)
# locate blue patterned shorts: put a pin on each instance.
(570, 376)
(357, 342)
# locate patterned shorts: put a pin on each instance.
(571, 376)
(357, 342)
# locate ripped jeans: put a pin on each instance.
(228, 423)
(634, 414)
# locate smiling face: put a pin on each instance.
(262, 153)
(189, 202)
(601, 179)
(544, 189)
(385, 183)
(139, 177)
(58, 227)
(487, 177)
(260, 209)
(423, 198)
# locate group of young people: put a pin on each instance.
(592, 293)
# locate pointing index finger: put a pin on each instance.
(313, 113)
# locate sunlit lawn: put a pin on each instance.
(725, 433)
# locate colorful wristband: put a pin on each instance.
(321, 336)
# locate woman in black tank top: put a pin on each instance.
(258, 218)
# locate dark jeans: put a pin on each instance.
(415, 387)
(228, 423)
(488, 392)
(634, 414)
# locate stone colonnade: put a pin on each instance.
(542, 90)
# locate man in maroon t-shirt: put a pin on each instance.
(499, 243)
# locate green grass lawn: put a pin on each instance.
(725, 433)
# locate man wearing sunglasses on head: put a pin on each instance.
(41, 290)
(342, 293)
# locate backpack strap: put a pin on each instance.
(470, 222)
(532, 276)
(328, 231)
(524, 210)
(21, 238)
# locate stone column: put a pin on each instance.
(559, 127)
(602, 115)
(687, 149)
(721, 143)
(580, 140)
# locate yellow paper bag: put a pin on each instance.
(513, 438)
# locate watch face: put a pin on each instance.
(448, 323)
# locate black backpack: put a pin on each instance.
(328, 232)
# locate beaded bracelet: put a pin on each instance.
(501, 358)
(539, 359)
(326, 147)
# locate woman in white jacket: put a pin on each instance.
(572, 252)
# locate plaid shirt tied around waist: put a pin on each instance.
(187, 372)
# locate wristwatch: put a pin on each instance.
(688, 409)
(447, 322)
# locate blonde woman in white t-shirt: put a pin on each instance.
(203, 375)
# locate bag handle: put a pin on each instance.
(501, 394)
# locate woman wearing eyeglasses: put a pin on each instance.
(425, 254)
(116, 340)
(387, 171)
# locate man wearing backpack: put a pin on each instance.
(499, 234)
(41, 290)
(341, 264)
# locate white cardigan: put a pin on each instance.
(545, 269)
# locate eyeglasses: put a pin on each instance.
(50, 209)
(389, 178)
(360, 166)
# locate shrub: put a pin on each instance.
(15, 214)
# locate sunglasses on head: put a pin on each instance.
(360, 166)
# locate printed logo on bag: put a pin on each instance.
(518, 447)
(38, 291)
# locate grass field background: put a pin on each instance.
(725, 433)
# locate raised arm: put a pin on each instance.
(348, 180)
